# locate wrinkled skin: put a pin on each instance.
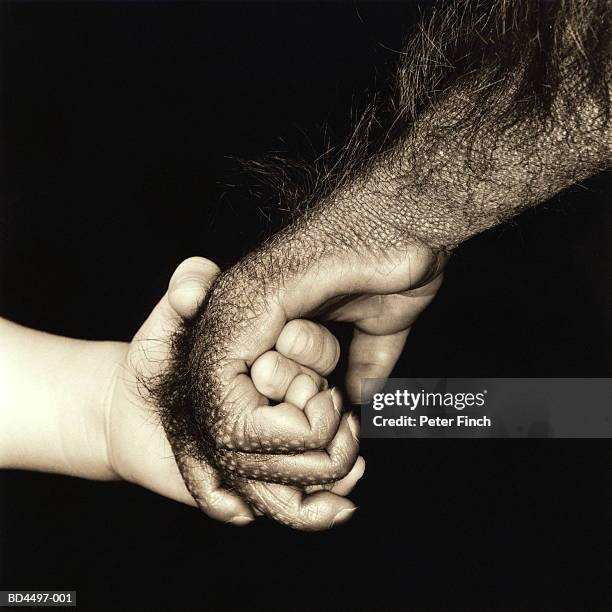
(504, 135)
(270, 454)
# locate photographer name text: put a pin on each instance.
(411, 401)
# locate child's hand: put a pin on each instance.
(137, 446)
(294, 373)
(280, 378)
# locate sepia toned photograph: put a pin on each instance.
(306, 305)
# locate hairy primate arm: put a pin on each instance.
(499, 105)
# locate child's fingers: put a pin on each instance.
(301, 389)
(186, 290)
(272, 373)
(345, 485)
(189, 284)
(310, 344)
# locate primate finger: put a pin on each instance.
(310, 467)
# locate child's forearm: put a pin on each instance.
(53, 393)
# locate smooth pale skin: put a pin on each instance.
(74, 407)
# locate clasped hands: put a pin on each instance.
(239, 384)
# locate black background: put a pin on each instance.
(118, 122)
